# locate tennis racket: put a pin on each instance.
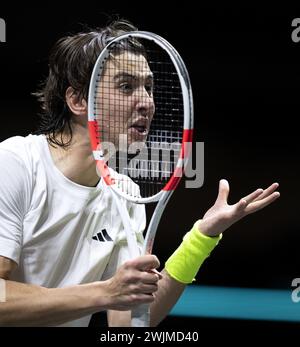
(140, 119)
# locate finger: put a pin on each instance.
(148, 288)
(258, 205)
(240, 206)
(149, 278)
(143, 288)
(223, 191)
(251, 197)
(160, 276)
(146, 298)
(146, 262)
(137, 299)
(268, 191)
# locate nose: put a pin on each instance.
(145, 103)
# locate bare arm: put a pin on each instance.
(30, 305)
(166, 297)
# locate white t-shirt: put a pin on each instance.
(58, 232)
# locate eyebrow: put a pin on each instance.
(124, 74)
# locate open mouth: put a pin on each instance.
(140, 127)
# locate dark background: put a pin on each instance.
(245, 73)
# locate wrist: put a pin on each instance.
(207, 228)
(100, 295)
(186, 261)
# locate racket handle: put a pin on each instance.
(140, 316)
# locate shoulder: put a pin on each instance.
(16, 176)
(19, 160)
(18, 144)
(19, 149)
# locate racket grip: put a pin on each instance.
(140, 316)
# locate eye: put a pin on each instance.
(149, 89)
(126, 87)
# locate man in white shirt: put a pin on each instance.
(63, 250)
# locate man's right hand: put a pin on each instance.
(133, 284)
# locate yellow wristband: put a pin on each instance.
(185, 262)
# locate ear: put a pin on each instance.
(78, 106)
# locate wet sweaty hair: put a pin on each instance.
(71, 63)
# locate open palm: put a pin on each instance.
(222, 215)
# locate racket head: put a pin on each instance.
(140, 103)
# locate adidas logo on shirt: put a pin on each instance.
(102, 236)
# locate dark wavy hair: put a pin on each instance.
(71, 62)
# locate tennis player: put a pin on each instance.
(63, 250)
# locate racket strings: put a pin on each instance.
(165, 135)
(133, 91)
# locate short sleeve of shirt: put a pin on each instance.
(14, 202)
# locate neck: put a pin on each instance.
(76, 162)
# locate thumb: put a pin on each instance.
(223, 191)
(146, 262)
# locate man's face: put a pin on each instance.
(125, 103)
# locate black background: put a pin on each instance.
(245, 73)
